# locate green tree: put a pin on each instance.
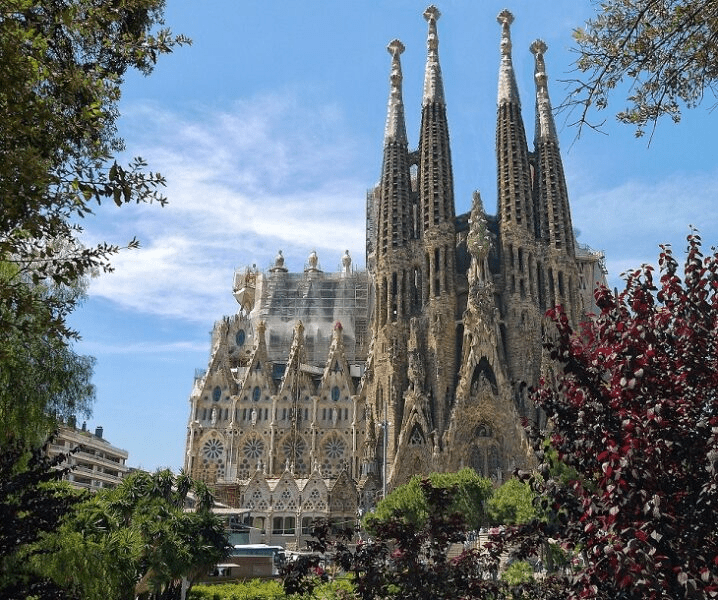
(511, 503)
(41, 379)
(407, 560)
(32, 503)
(62, 64)
(470, 492)
(136, 539)
(665, 51)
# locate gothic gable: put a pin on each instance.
(343, 496)
(336, 383)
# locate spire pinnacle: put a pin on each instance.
(508, 91)
(395, 126)
(545, 126)
(433, 85)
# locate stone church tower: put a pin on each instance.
(327, 388)
(460, 301)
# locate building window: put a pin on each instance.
(259, 524)
(335, 393)
(240, 337)
(307, 525)
(283, 526)
(256, 393)
(216, 393)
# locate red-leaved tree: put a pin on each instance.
(634, 414)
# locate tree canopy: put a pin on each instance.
(511, 503)
(63, 64)
(470, 491)
(32, 504)
(42, 379)
(664, 51)
(135, 539)
(634, 414)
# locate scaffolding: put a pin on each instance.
(319, 300)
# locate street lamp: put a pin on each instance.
(385, 427)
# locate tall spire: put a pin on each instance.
(552, 195)
(514, 174)
(508, 91)
(436, 180)
(438, 233)
(433, 84)
(545, 126)
(394, 215)
(395, 125)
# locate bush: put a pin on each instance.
(253, 589)
(258, 589)
(517, 573)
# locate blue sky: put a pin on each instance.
(269, 131)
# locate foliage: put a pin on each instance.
(257, 589)
(635, 414)
(517, 572)
(63, 64)
(405, 559)
(31, 504)
(664, 49)
(470, 493)
(511, 503)
(42, 379)
(136, 539)
(254, 589)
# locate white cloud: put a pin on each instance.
(145, 348)
(279, 172)
(630, 220)
(270, 174)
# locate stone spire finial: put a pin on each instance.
(278, 264)
(299, 329)
(346, 263)
(433, 84)
(505, 18)
(395, 127)
(508, 91)
(312, 263)
(545, 126)
(478, 240)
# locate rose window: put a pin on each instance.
(334, 448)
(213, 449)
(253, 448)
(292, 447)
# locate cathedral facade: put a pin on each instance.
(327, 389)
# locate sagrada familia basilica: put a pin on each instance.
(326, 389)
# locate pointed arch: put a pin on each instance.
(417, 437)
(483, 372)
